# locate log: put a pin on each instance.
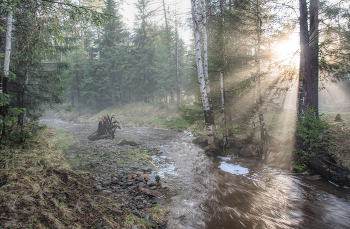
(106, 128)
(330, 171)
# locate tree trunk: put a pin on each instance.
(314, 53)
(304, 72)
(263, 131)
(205, 44)
(222, 87)
(7, 58)
(7, 52)
(82, 36)
(208, 113)
(177, 71)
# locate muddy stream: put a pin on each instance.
(224, 192)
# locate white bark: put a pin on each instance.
(209, 120)
(8, 46)
(199, 62)
(205, 43)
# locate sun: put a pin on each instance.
(288, 50)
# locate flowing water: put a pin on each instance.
(222, 192)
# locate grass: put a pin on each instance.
(159, 114)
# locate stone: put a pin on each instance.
(245, 152)
(147, 170)
(127, 142)
(314, 177)
(165, 187)
(140, 206)
(151, 183)
(137, 213)
(106, 183)
(139, 179)
(98, 187)
(134, 227)
(118, 212)
(132, 187)
(201, 141)
(130, 183)
(98, 225)
(114, 181)
(149, 192)
(106, 193)
(145, 176)
(142, 185)
(94, 164)
(129, 177)
(153, 187)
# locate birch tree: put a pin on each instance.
(208, 113)
(7, 52)
(205, 43)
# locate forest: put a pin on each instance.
(265, 79)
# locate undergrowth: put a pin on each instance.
(313, 138)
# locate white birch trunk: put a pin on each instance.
(7, 47)
(205, 43)
(208, 115)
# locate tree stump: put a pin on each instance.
(338, 118)
(106, 128)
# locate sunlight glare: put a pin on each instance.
(288, 50)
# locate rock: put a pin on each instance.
(338, 118)
(114, 181)
(137, 213)
(201, 141)
(98, 225)
(139, 179)
(245, 152)
(314, 177)
(130, 183)
(134, 227)
(129, 177)
(153, 188)
(147, 170)
(127, 142)
(94, 164)
(165, 187)
(151, 183)
(142, 185)
(98, 187)
(132, 187)
(149, 192)
(118, 212)
(106, 183)
(145, 176)
(106, 193)
(140, 206)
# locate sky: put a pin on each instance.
(183, 7)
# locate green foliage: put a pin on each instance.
(312, 137)
(4, 99)
(192, 114)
